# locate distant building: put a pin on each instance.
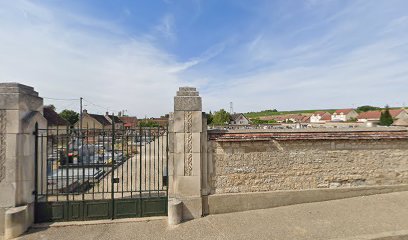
(399, 113)
(344, 115)
(238, 119)
(129, 122)
(55, 123)
(374, 116)
(320, 117)
(369, 116)
(118, 121)
(98, 121)
(402, 122)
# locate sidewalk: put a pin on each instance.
(370, 217)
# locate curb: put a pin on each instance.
(96, 222)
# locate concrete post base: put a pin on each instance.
(17, 221)
(175, 211)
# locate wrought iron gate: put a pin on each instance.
(87, 174)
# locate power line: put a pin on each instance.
(99, 106)
(62, 99)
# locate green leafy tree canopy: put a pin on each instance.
(148, 123)
(367, 108)
(210, 118)
(71, 116)
(221, 117)
(386, 118)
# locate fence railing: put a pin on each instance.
(91, 164)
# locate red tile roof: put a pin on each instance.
(344, 111)
(395, 112)
(326, 117)
(370, 115)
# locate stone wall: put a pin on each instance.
(254, 162)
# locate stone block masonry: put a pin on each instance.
(257, 162)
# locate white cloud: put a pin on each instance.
(167, 27)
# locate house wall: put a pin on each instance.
(339, 117)
(402, 115)
(352, 114)
(90, 122)
(344, 117)
(315, 118)
(241, 121)
(253, 163)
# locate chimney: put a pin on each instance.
(84, 111)
(107, 114)
(119, 114)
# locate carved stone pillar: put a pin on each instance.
(187, 137)
(20, 109)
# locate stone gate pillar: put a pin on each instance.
(20, 110)
(187, 141)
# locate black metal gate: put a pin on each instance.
(89, 173)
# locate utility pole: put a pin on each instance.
(80, 113)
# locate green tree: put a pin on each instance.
(148, 123)
(386, 118)
(221, 117)
(367, 108)
(210, 118)
(71, 116)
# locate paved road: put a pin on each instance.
(371, 217)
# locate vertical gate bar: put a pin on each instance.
(121, 163)
(35, 169)
(77, 163)
(162, 157)
(42, 165)
(74, 167)
(95, 157)
(167, 160)
(127, 162)
(113, 169)
(50, 167)
(158, 160)
(150, 158)
(82, 165)
(140, 161)
(154, 159)
(56, 162)
(131, 163)
(145, 161)
(104, 164)
(66, 164)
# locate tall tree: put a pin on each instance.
(71, 116)
(221, 117)
(386, 118)
(210, 118)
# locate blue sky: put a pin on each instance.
(133, 55)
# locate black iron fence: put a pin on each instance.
(100, 173)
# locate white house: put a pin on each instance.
(238, 119)
(343, 115)
(320, 117)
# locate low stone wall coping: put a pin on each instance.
(307, 134)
